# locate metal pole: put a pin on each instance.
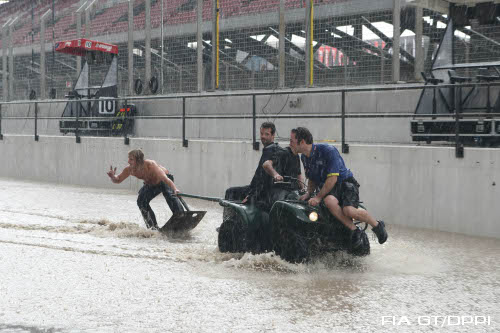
(79, 35)
(345, 147)
(467, 57)
(5, 80)
(344, 59)
(11, 59)
(282, 31)
(254, 125)
(184, 141)
(32, 45)
(43, 80)
(199, 44)
(310, 45)
(53, 46)
(217, 48)
(77, 124)
(126, 139)
(148, 43)
(215, 44)
(307, 47)
(396, 24)
(1, 135)
(36, 121)
(419, 50)
(382, 63)
(180, 78)
(459, 149)
(131, 47)
(161, 37)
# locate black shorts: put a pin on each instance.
(347, 193)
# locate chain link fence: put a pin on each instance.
(351, 44)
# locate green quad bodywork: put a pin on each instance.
(286, 230)
(296, 238)
(245, 228)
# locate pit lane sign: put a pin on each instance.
(107, 106)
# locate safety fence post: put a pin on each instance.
(36, 121)
(345, 146)
(254, 125)
(459, 148)
(77, 123)
(1, 135)
(126, 139)
(184, 140)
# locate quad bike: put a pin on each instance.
(291, 228)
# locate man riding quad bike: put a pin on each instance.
(291, 228)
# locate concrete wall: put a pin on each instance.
(415, 186)
(381, 130)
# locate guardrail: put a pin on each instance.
(456, 116)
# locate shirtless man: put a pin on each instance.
(156, 181)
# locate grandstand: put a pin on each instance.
(352, 42)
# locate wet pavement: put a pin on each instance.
(76, 259)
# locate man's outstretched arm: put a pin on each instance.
(121, 177)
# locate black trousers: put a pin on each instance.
(148, 193)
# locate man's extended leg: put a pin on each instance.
(350, 198)
(378, 227)
(333, 206)
(146, 194)
(172, 200)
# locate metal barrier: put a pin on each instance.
(456, 115)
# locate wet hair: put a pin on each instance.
(302, 133)
(137, 155)
(270, 125)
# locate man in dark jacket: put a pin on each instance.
(261, 183)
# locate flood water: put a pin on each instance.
(75, 259)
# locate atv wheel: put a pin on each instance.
(294, 249)
(231, 235)
(364, 248)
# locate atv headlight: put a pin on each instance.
(313, 216)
